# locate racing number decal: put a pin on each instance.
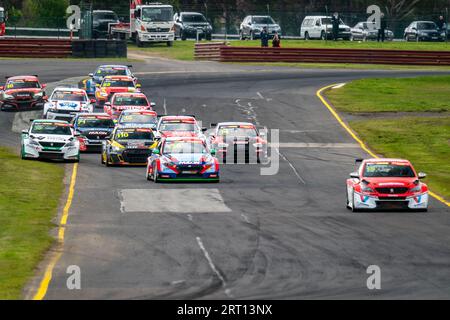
(122, 135)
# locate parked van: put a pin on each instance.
(320, 27)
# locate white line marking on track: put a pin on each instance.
(165, 107)
(190, 217)
(246, 219)
(340, 85)
(260, 95)
(292, 166)
(213, 267)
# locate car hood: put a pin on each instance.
(196, 24)
(178, 134)
(390, 182)
(137, 125)
(14, 91)
(51, 138)
(188, 158)
(95, 131)
(136, 144)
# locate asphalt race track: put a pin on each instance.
(252, 236)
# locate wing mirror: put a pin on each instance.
(91, 75)
(354, 175)
(152, 104)
(213, 152)
(204, 129)
(155, 151)
(422, 175)
(93, 101)
(1, 88)
(138, 85)
(24, 131)
(44, 86)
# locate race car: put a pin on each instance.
(138, 118)
(127, 101)
(94, 128)
(50, 139)
(386, 184)
(179, 126)
(128, 146)
(182, 159)
(65, 103)
(97, 77)
(22, 92)
(112, 85)
(238, 142)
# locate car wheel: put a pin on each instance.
(155, 174)
(139, 42)
(241, 36)
(307, 36)
(323, 36)
(183, 36)
(353, 204)
(149, 176)
(169, 43)
(102, 158)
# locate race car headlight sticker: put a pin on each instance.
(34, 143)
(103, 94)
(367, 189)
(70, 144)
(116, 148)
(416, 189)
(39, 95)
(9, 97)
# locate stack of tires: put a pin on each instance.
(99, 48)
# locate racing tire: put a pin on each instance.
(101, 158)
(307, 37)
(139, 43)
(208, 37)
(323, 36)
(155, 175)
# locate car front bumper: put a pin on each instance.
(156, 37)
(416, 202)
(22, 105)
(65, 153)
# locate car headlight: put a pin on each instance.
(443, 34)
(103, 94)
(39, 95)
(416, 189)
(70, 144)
(116, 148)
(422, 33)
(34, 143)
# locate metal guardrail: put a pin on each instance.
(226, 53)
(35, 48)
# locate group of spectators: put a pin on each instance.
(265, 37)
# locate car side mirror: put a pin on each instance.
(93, 101)
(152, 104)
(44, 86)
(213, 152)
(422, 175)
(414, 28)
(155, 151)
(2, 87)
(204, 129)
(108, 104)
(24, 131)
(354, 175)
(138, 85)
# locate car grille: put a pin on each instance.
(52, 144)
(51, 155)
(136, 156)
(95, 137)
(392, 190)
(23, 95)
(63, 111)
(392, 205)
(158, 29)
(190, 167)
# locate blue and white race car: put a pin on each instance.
(94, 128)
(182, 159)
(50, 139)
(66, 102)
(103, 71)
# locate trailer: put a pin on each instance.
(150, 22)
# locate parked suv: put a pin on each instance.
(252, 26)
(320, 27)
(100, 22)
(361, 31)
(187, 24)
(423, 31)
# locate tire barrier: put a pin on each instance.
(99, 48)
(35, 48)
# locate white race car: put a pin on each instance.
(66, 102)
(50, 139)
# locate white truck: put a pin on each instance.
(151, 22)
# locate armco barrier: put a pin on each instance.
(307, 55)
(35, 48)
(208, 50)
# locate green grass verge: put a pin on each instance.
(29, 196)
(424, 141)
(181, 50)
(422, 94)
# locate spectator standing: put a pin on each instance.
(276, 42)
(264, 38)
(336, 21)
(441, 24)
(382, 29)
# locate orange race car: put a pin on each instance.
(114, 84)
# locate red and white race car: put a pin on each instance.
(386, 184)
(22, 92)
(114, 84)
(127, 101)
(179, 126)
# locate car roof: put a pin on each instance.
(380, 160)
(235, 124)
(113, 66)
(139, 111)
(178, 118)
(118, 78)
(184, 139)
(309, 17)
(103, 11)
(49, 120)
(97, 114)
(191, 12)
(23, 78)
(68, 89)
(130, 94)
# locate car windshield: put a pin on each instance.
(68, 96)
(237, 132)
(157, 14)
(118, 83)
(105, 16)
(94, 122)
(138, 118)
(136, 134)
(130, 101)
(193, 18)
(263, 20)
(177, 126)
(22, 84)
(101, 72)
(388, 170)
(185, 147)
(51, 128)
(426, 26)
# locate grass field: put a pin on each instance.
(184, 50)
(423, 94)
(424, 141)
(29, 196)
(423, 138)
